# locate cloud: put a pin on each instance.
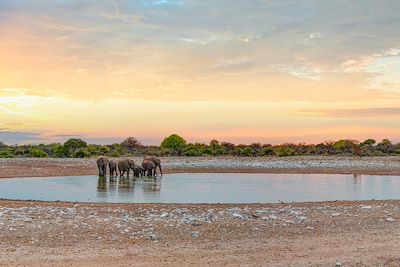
(306, 72)
(10, 137)
(345, 113)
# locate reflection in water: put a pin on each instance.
(102, 184)
(205, 188)
(357, 178)
(152, 186)
(126, 186)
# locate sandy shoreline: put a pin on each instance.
(355, 233)
(336, 165)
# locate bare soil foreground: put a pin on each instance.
(364, 233)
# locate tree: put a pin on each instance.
(369, 142)
(73, 144)
(386, 146)
(174, 143)
(131, 143)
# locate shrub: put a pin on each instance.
(6, 153)
(37, 153)
(82, 154)
(283, 151)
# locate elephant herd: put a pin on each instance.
(148, 167)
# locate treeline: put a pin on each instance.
(174, 145)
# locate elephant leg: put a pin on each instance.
(127, 175)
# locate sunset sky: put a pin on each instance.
(238, 71)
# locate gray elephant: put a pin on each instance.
(124, 166)
(102, 163)
(138, 171)
(156, 161)
(113, 168)
(149, 167)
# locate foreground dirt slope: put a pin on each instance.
(308, 234)
(366, 165)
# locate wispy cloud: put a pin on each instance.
(345, 113)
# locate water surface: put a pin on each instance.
(204, 188)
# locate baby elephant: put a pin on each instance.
(102, 163)
(124, 166)
(138, 171)
(113, 168)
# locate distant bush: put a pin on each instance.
(81, 154)
(175, 145)
(283, 151)
(5, 153)
(37, 153)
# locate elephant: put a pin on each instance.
(138, 171)
(102, 163)
(124, 166)
(113, 168)
(149, 167)
(156, 161)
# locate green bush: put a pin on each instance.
(283, 151)
(267, 151)
(37, 153)
(81, 154)
(6, 153)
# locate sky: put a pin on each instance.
(238, 71)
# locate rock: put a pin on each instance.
(338, 264)
(153, 237)
(309, 228)
(237, 216)
(164, 215)
(289, 221)
(194, 234)
(366, 207)
(335, 214)
(300, 219)
(390, 219)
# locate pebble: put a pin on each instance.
(366, 207)
(194, 234)
(338, 264)
(237, 216)
(390, 219)
(153, 237)
(335, 214)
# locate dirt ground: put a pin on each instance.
(359, 233)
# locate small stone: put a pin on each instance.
(390, 219)
(194, 234)
(237, 216)
(338, 264)
(153, 237)
(335, 214)
(310, 228)
(164, 215)
(366, 207)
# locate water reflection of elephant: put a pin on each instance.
(152, 186)
(357, 178)
(102, 184)
(126, 185)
